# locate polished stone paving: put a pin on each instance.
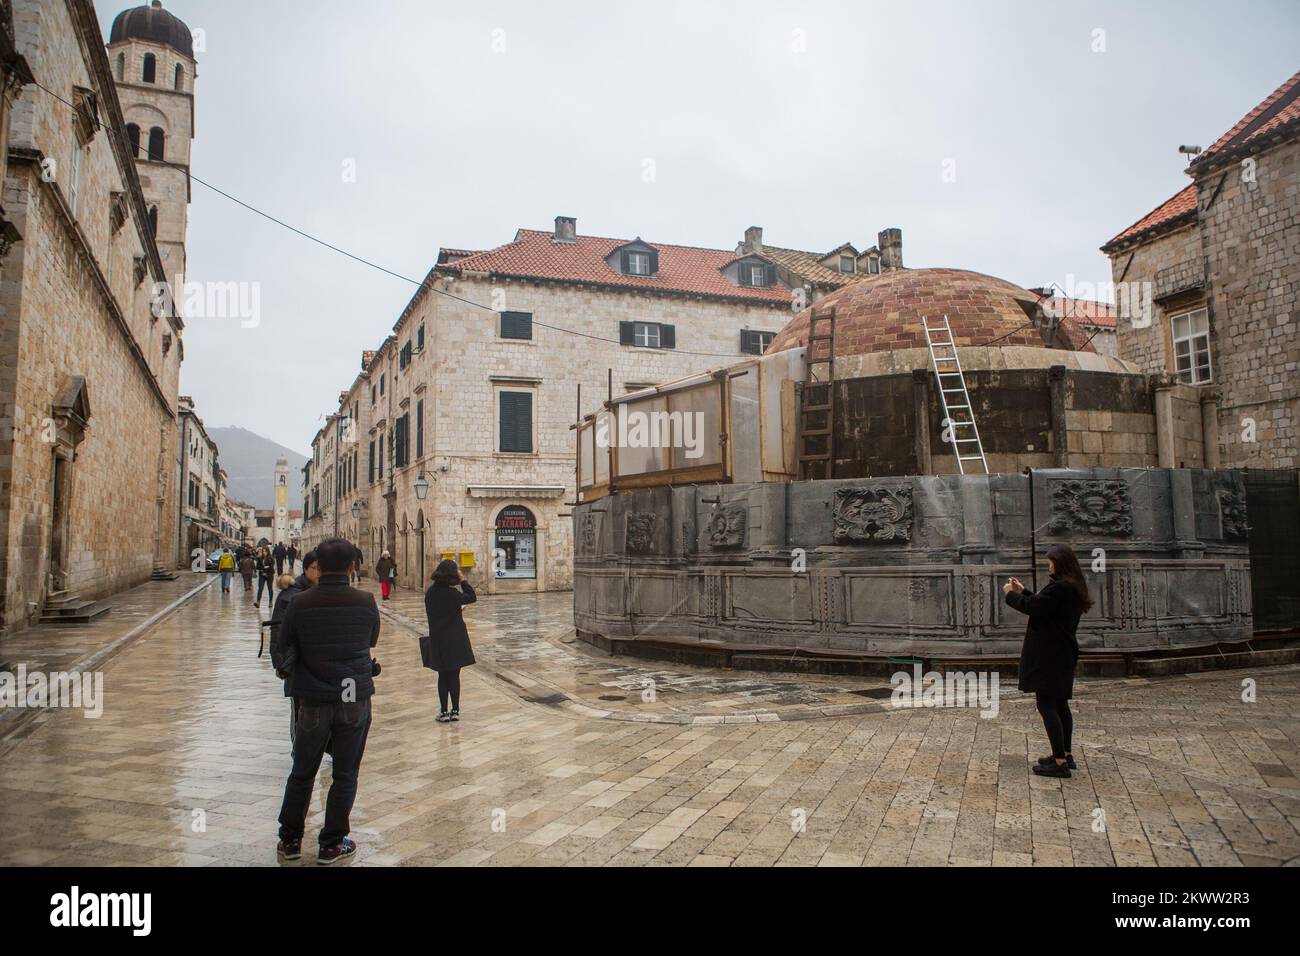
(187, 763)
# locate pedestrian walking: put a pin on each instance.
(328, 631)
(447, 648)
(265, 577)
(357, 558)
(225, 567)
(246, 567)
(386, 571)
(279, 660)
(1051, 650)
(279, 552)
(291, 558)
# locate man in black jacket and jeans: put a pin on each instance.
(328, 631)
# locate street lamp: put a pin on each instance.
(421, 487)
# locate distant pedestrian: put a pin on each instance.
(246, 568)
(226, 567)
(447, 648)
(291, 557)
(265, 576)
(386, 571)
(328, 630)
(1051, 650)
(279, 554)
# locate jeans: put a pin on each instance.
(348, 725)
(225, 580)
(264, 580)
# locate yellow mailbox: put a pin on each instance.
(467, 559)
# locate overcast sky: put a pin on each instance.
(822, 123)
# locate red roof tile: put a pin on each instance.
(534, 254)
(1183, 203)
(1281, 107)
(1083, 311)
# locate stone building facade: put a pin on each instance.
(455, 436)
(201, 490)
(1210, 280)
(88, 366)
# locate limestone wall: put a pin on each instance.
(914, 565)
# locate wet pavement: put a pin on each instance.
(187, 763)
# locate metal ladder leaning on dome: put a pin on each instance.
(952, 373)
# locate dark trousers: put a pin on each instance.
(449, 687)
(346, 726)
(264, 580)
(1057, 721)
(248, 580)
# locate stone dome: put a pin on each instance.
(154, 24)
(883, 314)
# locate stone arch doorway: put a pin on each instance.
(516, 549)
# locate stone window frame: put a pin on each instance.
(1188, 312)
(531, 388)
(851, 263)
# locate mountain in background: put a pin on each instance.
(249, 463)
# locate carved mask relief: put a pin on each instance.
(727, 526)
(641, 532)
(1097, 506)
(872, 514)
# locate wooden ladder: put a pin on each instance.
(817, 399)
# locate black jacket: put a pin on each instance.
(329, 630)
(447, 646)
(1051, 649)
(279, 660)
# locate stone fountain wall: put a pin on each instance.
(913, 566)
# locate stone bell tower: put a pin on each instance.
(280, 520)
(151, 53)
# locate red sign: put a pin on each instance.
(515, 518)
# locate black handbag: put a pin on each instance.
(426, 650)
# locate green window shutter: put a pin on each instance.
(771, 275)
(516, 421)
(747, 344)
(419, 429)
(516, 325)
(654, 263)
(623, 264)
(667, 337)
(627, 333)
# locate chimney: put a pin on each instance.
(566, 229)
(754, 240)
(890, 242)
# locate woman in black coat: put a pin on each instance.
(1051, 650)
(446, 649)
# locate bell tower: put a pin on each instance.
(151, 53)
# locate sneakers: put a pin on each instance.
(445, 718)
(1069, 761)
(287, 851)
(338, 853)
(1052, 769)
(454, 715)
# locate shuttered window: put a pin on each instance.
(419, 429)
(655, 335)
(370, 462)
(402, 449)
(515, 415)
(753, 342)
(516, 325)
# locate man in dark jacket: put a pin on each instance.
(279, 659)
(329, 631)
(279, 552)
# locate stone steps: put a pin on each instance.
(63, 607)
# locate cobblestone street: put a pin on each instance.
(559, 760)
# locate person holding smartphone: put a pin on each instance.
(447, 648)
(1051, 650)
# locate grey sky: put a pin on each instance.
(1056, 147)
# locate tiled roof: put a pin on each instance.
(1183, 203)
(534, 254)
(1282, 106)
(808, 265)
(1083, 311)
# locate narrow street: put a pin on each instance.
(187, 763)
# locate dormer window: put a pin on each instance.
(873, 265)
(756, 274)
(635, 259)
(847, 265)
